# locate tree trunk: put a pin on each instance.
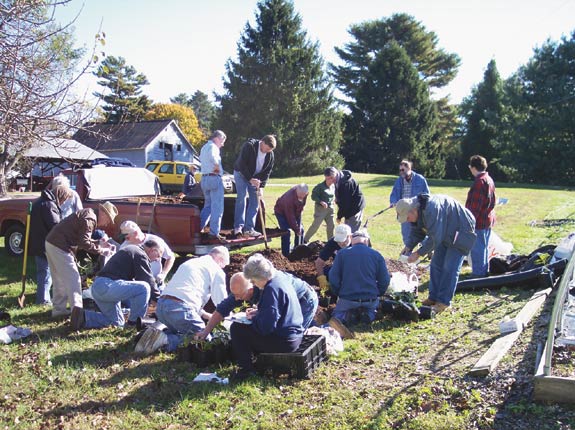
(3, 185)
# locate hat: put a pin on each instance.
(110, 210)
(360, 233)
(129, 227)
(404, 206)
(342, 231)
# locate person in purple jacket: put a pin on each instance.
(277, 323)
(408, 184)
(288, 211)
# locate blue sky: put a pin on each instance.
(183, 45)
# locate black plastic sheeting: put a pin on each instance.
(543, 276)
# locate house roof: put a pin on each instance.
(127, 135)
(66, 149)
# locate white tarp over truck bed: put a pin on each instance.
(109, 183)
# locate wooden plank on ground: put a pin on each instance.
(499, 348)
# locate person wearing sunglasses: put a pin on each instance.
(408, 184)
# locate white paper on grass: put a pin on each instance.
(111, 183)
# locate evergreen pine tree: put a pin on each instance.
(482, 114)
(278, 86)
(124, 100)
(434, 68)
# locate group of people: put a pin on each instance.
(282, 306)
(252, 170)
(443, 227)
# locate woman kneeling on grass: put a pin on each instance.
(276, 324)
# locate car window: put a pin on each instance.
(167, 168)
(182, 169)
(151, 166)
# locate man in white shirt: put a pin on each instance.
(181, 305)
(135, 236)
(212, 185)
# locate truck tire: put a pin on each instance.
(14, 240)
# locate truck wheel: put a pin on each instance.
(14, 240)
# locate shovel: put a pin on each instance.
(262, 220)
(377, 214)
(22, 297)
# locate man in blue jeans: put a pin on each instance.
(358, 277)
(252, 170)
(181, 305)
(442, 225)
(212, 185)
(127, 276)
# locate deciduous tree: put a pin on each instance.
(185, 117)
(39, 66)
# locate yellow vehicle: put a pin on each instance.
(172, 174)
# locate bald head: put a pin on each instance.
(240, 286)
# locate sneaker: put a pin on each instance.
(428, 302)
(252, 233)
(152, 340)
(78, 318)
(338, 326)
(440, 307)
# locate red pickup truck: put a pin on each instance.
(135, 192)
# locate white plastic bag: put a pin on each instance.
(403, 283)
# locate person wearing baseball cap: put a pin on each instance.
(358, 277)
(340, 240)
(440, 224)
(72, 233)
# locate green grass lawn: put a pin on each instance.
(394, 375)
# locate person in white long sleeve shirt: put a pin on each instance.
(181, 305)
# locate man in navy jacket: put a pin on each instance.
(276, 325)
(348, 196)
(252, 169)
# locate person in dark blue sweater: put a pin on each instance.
(358, 277)
(276, 325)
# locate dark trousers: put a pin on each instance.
(246, 341)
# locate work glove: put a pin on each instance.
(160, 278)
(323, 283)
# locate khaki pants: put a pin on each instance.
(66, 283)
(320, 215)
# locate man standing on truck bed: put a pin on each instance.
(73, 232)
(212, 185)
(252, 169)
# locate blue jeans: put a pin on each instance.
(43, 280)
(213, 209)
(444, 273)
(480, 253)
(109, 293)
(180, 318)
(298, 240)
(243, 220)
(344, 306)
(308, 310)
